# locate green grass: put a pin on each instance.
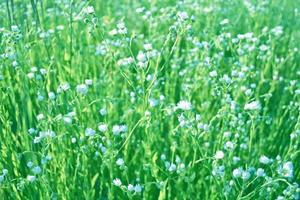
(196, 99)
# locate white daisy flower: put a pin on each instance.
(237, 173)
(102, 127)
(219, 155)
(117, 182)
(120, 162)
(31, 178)
(260, 172)
(254, 105)
(184, 105)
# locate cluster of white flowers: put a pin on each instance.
(35, 73)
(240, 173)
(51, 95)
(130, 188)
(219, 155)
(118, 129)
(121, 29)
(213, 73)
(125, 61)
(254, 105)
(101, 49)
(120, 162)
(89, 132)
(102, 127)
(117, 182)
(142, 59)
(31, 178)
(171, 167)
(134, 188)
(265, 160)
(184, 105)
(44, 134)
(36, 170)
(224, 21)
(82, 89)
(89, 10)
(286, 170)
(277, 31)
(63, 87)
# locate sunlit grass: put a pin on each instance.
(149, 99)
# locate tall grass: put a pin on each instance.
(149, 99)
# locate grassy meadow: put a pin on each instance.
(149, 99)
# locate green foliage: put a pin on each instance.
(106, 99)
